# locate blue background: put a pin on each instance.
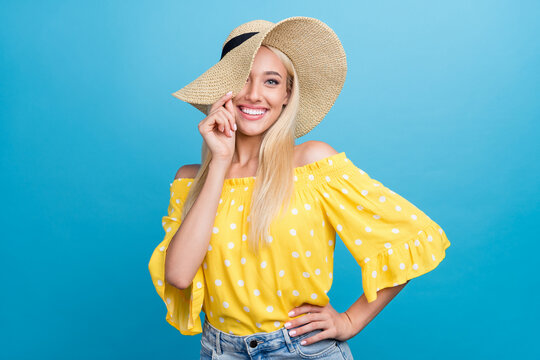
(441, 104)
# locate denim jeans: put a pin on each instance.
(216, 344)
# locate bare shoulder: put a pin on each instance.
(187, 171)
(314, 150)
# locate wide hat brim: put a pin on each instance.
(312, 46)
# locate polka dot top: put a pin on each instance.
(242, 294)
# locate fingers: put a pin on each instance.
(230, 107)
(221, 101)
(223, 119)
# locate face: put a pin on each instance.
(259, 103)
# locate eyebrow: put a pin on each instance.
(272, 73)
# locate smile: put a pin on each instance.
(252, 111)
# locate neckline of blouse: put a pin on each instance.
(315, 166)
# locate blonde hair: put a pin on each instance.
(273, 190)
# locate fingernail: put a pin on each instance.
(287, 324)
(235, 127)
(291, 313)
(229, 93)
(230, 132)
(303, 342)
(292, 332)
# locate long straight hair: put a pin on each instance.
(274, 185)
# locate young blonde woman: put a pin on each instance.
(250, 232)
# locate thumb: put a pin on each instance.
(221, 101)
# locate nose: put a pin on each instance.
(253, 92)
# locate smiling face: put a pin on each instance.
(259, 104)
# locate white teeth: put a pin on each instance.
(252, 112)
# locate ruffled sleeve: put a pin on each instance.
(390, 238)
(183, 306)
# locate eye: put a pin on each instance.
(275, 81)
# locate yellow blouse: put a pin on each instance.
(391, 239)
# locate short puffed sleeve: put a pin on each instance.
(390, 238)
(183, 305)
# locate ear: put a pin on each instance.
(287, 98)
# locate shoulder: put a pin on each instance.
(187, 171)
(314, 150)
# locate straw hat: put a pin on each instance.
(312, 46)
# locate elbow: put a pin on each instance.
(176, 281)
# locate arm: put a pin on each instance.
(361, 312)
(189, 245)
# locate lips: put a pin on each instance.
(256, 109)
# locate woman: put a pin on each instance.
(250, 232)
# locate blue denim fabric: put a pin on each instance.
(216, 344)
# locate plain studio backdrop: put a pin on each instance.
(441, 104)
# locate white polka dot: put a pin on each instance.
(215, 230)
(258, 325)
(279, 293)
(398, 208)
(230, 245)
(240, 282)
(281, 273)
(199, 285)
(368, 229)
(330, 242)
(241, 207)
(374, 274)
(307, 206)
(295, 293)
(269, 308)
(406, 246)
(330, 275)
(162, 248)
(415, 266)
(387, 245)
(247, 187)
(232, 190)
(317, 271)
(277, 324)
(364, 192)
(345, 176)
(417, 242)
(395, 230)
(292, 232)
(339, 227)
(330, 161)
(345, 191)
(256, 292)
(227, 262)
(429, 238)
(232, 202)
(366, 259)
(159, 282)
(244, 237)
(377, 217)
(433, 257)
(243, 260)
(306, 274)
(220, 201)
(246, 309)
(311, 177)
(311, 232)
(308, 253)
(358, 242)
(440, 231)
(359, 207)
(270, 238)
(414, 217)
(263, 264)
(225, 304)
(211, 298)
(168, 300)
(177, 201)
(295, 178)
(221, 319)
(341, 206)
(295, 254)
(385, 267)
(168, 229)
(189, 183)
(233, 226)
(326, 195)
(390, 251)
(382, 199)
(402, 266)
(218, 282)
(313, 296)
(294, 211)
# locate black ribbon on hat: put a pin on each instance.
(235, 41)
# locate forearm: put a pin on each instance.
(361, 312)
